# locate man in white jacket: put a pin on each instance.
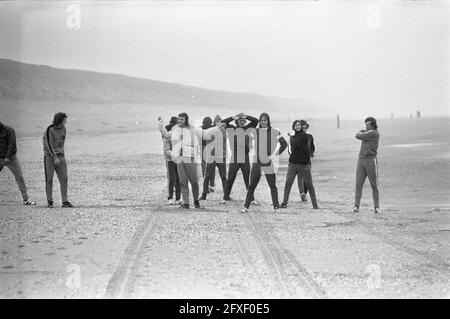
(186, 152)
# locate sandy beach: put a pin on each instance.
(123, 241)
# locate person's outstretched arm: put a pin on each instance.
(253, 121)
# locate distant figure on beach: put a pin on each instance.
(299, 163)
(368, 163)
(173, 180)
(302, 186)
(54, 158)
(8, 158)
(266, 140)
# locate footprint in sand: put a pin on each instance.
(77, 243)
(50, 254)
(8, 267)
(61, 248)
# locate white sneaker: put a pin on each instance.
(171, 202)
(377, 210)
(255, 203)
(244, 210)
(356, 209)
(178, 202)
(212, 189)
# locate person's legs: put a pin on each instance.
(245, 167)
(222, 167)
(256, 176)
(61, 172)
(360, 178)
(212, 180)
(271, 180)
(210, 168)
(372, 172)
(170, 180)
(192, 176)
(307, 178)
(177, 182)
(49, 168)
(290, 176)
(15, 169)
(232, 172)
(184, 183)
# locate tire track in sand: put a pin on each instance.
(291, 277)
(124, 277)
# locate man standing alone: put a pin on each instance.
(54, 160)
(368, 163)
(8, 150)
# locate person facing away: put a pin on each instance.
(8, 158)
(206, 124)
(299, 164)
(367, 165)
(238, 133)
(186, 147)
(54, 158)
(266, 142)
(215, 154)
(312, 149)
(173, 180)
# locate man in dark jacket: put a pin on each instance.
(299, 164)
(8, 158)
(54, 159)
(265, 143)
(240, 147)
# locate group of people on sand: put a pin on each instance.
(252, 145)
(54, 159)
(240, 142)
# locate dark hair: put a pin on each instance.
(58, 118)
(173, 120)
(186, 122)
(372, 121)
(295, 122)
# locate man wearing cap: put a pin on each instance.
(368, 163)
(8, 151)
(54, 159)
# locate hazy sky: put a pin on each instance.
(341, 55)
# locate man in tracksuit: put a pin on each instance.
(186, 147)
(368, 163)
(8, 158)
(54, 159)
(173, 181)
(265, 143)
(240, 148)
(215, 154)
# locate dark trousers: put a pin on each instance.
(303, 173)
(210, 173)
(233, 169)
(255, 178)
(367, 168)
(212, 181)
(61, 172)
(14, 167)
(173, 180)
